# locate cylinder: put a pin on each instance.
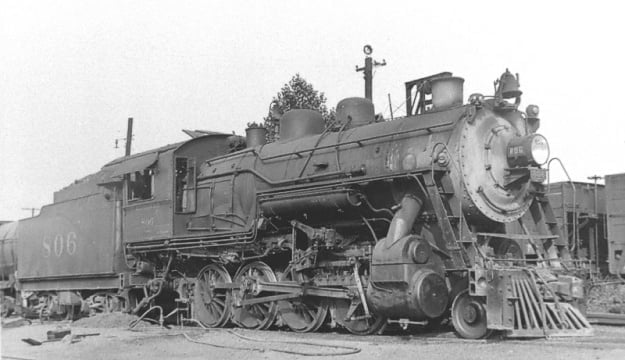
(299, 123)
(447, 92)
(255, 136)
(425, 296)
(355, 111)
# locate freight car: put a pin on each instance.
(615, 213)
(580, 210)
(437, 214)
(591, 217)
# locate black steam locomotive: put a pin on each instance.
(434, 215)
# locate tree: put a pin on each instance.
(296, 94)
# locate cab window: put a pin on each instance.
(141, 184)
(185, 185)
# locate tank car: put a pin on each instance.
(440, 213)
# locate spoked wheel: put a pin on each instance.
(112, 303)
(211, 304)
(358, 323)
(255, 316)
(302, 314)
(104, 303)
(468, 315)
(45, 308)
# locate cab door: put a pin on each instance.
(147, 202)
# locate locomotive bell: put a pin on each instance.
(446, 92)
(509, 86)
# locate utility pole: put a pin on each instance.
(390, 105)
(129, 137)
(32, 210)
(368, 70)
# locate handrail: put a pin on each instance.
(268, 181)
(427, 129)
(576, 244)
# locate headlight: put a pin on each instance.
(528, 150)
(539, 149)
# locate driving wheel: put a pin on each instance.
(211, 303)
(304, 314)
(356, 321)
(254, 316)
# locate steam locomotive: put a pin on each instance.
(439, 214)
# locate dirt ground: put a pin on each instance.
(607, 298)
(152, 342)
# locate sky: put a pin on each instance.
(72, 72)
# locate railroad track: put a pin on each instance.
(606, 319)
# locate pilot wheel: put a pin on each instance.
(468, 314)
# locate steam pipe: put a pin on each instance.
(404, 218)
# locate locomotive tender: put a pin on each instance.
(434, 215)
